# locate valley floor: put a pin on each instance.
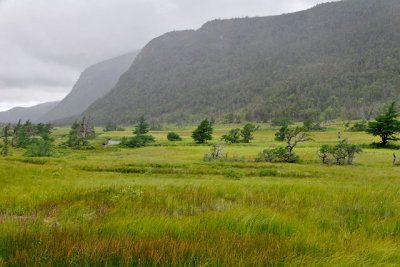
(163, 205)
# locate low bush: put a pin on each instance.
(137, 141)
(216, 153)
(340, 154)
(232, 174)
(279, 154)
(40, 148)
(360, 126)
(173, 137)
(232, 137)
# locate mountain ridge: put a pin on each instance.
(32, 113)
(94, 82)
(335, 60)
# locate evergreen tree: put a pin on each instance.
(142, 127)
(203, 133)
(141, 139)
(80, 133)
(15, 133)
(385, 126)
(247, 132)
(4, 150)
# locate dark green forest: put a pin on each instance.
(336, 60)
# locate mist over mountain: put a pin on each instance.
(30, 113)
(93, 83)
(340, 59)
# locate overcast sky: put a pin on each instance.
(46, 44)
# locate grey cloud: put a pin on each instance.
(45, 44)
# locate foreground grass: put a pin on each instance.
(163, 205)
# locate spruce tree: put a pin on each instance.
(385, 126)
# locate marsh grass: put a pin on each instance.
(162, 205)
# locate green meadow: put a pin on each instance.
(163, 205)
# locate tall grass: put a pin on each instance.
(163, 205)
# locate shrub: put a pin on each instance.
(340, 154)
(279, 154)
(173, 137)
(40, 148)
(240, 135)
(80, 133)
(216, 153)
(311, 125)
(137, 141)
(360, 126)
(232, 174)
(4, 148)
(232, 137)
(140, 139)
(293, 137)
(110, 127)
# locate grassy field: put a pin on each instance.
(163, 205)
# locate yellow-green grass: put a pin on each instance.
(162, 205)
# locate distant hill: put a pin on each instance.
(31, 113)
(94, 83)
(339, 59)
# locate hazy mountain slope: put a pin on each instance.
(336, 59)
(94, 83)
(31, 113)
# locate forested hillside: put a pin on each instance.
(30, 113)
(94, 83)
(340, 59)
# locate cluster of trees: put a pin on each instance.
(112, 127)
(35, 138)
(80, 133)
(311, 125)
(5, 133)
(141, 138)
(240, 135)
(340, 154)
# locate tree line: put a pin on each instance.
(37, 140)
